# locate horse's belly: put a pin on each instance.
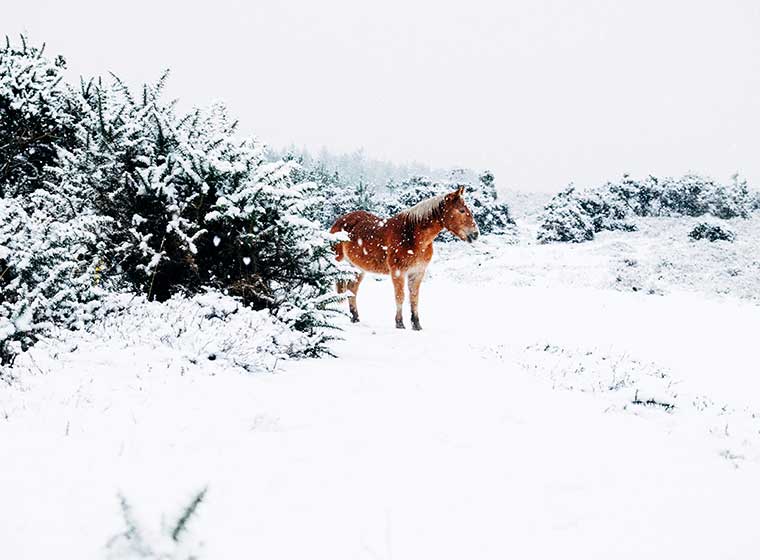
(368, 258)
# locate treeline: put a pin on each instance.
(357, 167)
(576, 215)
(385, 195)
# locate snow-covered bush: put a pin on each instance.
(565, 219)
(339, 183)
(491, 214)
(49, 270)
(105, 188)
(209, 326)
(408, 193)
(568, 214)
(693, 195)
(728, 201)
(711, 232)
(192, 206)
(37, 115)
(336, 197)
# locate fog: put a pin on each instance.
(541, 92)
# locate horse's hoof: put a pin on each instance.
(400, 326)
(355, 319)
(416, 327)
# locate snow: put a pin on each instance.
(515, 425)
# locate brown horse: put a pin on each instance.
(401, 246)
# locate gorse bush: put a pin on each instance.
(335, 196)
(409, 192)
(48, 270)
(37, 116)
(491, 214)
(711, 232)
(128, 194)
(576, 215)
(565, 219)
(49, 241)
(339, 196)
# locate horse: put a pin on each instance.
(400, 246)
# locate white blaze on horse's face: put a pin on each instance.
(457, 217)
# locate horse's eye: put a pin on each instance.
(461, 211)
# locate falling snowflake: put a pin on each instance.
(217, 241)
(246, 261)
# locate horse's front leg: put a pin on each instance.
(415, 280)
(398, 287)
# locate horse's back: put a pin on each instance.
(353, 221)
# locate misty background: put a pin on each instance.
(541, 92)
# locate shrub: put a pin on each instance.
(491, 214)
(49, 270)
(102, 188)
(37, 115)
(335, 196)
(565, 219)
(568, 214)
(410, 192)
(208, 326)
(192, 206)
(711, 232)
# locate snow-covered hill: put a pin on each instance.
(547, 410)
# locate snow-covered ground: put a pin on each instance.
(547, 410)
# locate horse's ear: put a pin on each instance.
(460, 190)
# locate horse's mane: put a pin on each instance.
(422, 211)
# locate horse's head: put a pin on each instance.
(457, 218)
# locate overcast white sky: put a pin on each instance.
(542, 92)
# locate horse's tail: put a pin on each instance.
(339, 246)
(339, 251)
(341, 285)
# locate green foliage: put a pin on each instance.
(37, 116)
(109, 188)
(48, 270)
(491, 214)
(335, 196)
(711, 232)
(576, 215)
(565, 219)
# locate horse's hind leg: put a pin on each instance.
(398, 287)
(353, 288)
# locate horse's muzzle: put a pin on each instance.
(472, 236)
